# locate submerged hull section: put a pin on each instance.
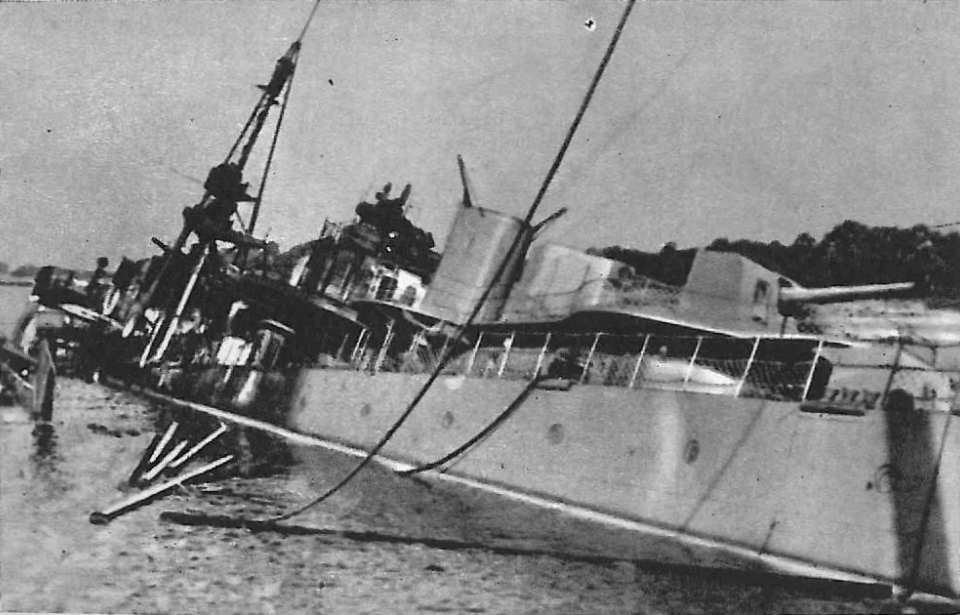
(872, 497)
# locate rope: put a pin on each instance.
(483, 433)
(461, 330)
(580, 112)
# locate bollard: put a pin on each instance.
(102, 517)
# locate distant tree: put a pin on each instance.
(804, 241)
(25, 271)
(4, 267)
(851, 253)
(721, 244)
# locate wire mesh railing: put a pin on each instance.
(785, 369)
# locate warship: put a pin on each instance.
(696, 403)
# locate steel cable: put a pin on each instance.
(480, 435)
(514, 246)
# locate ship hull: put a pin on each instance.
(672, 476)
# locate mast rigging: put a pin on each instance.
(211, 219)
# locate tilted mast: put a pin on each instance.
(211, 219)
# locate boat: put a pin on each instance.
(26, 380)
(695, 404)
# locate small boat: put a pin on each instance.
(28, 381)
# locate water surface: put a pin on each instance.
(53, 560)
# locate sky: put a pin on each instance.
(755, 120)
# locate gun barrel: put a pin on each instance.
(837, 294)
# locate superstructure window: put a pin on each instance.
(760, 304)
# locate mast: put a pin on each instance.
(212, 218)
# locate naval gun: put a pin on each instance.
(794, 299)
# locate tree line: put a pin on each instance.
(23, 271)
(850, 254)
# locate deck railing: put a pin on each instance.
(768, 368)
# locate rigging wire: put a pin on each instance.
(295, 49)
(273, 146)
(243, 131)
(265, 100)
(306, 26)
(514, 246)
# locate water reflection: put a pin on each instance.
(44, 443)
(257, 453)
(45, 457)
